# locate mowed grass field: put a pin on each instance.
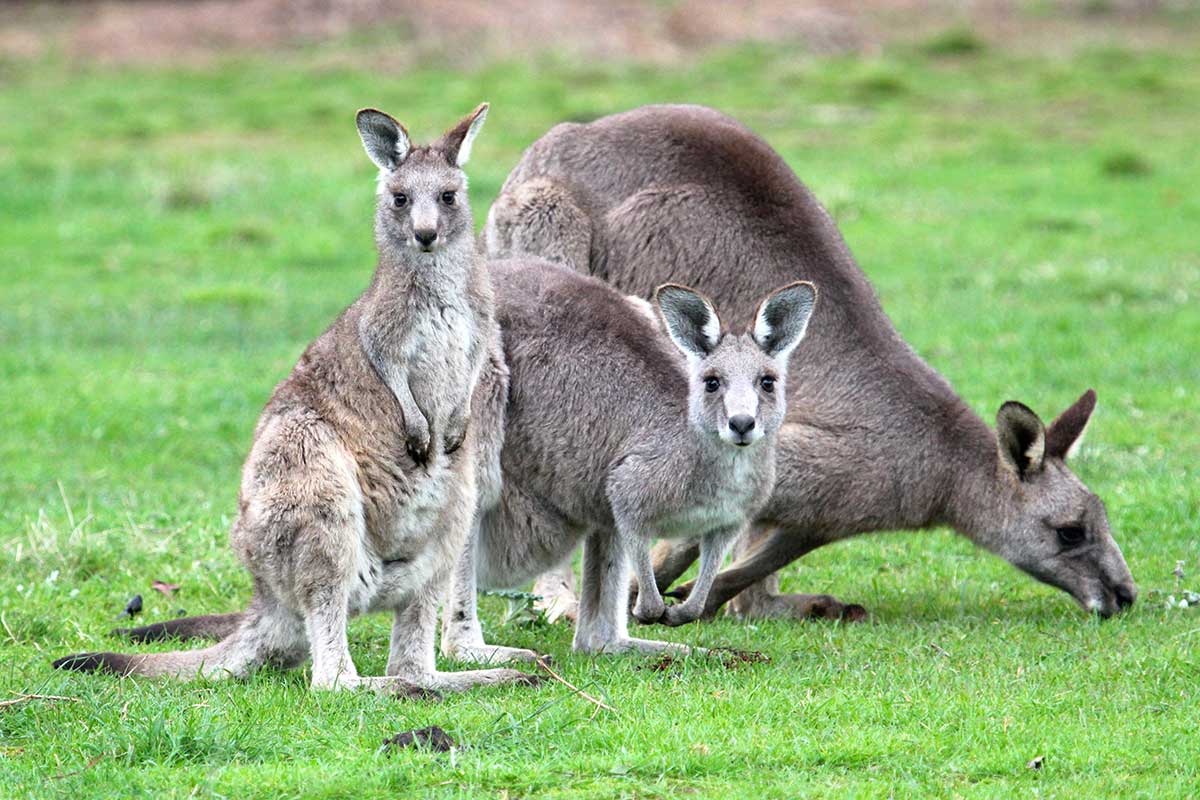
(170, 240)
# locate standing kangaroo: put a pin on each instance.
(618, 438)
(874, 438)
(359, 489)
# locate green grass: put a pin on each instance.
(171, 239)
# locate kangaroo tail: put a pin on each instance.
(208, 626)
(258, 636)
(181, 664)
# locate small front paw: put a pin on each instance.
(456, 434)
(418, 448)
(674, 616)
(454, 441)
(649, 613)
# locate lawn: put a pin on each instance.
(170, 239)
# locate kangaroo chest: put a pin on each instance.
(712, 499)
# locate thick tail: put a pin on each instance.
(183, 664)
(258, 636)
(208, 626)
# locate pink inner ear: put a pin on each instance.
(1069, 425)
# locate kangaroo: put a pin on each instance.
(359, 488)
(874, 438)
(620, 435)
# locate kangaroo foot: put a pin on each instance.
(796, 606)
(491, 654)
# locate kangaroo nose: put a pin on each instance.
(741, 424)
(1126, 594)
(425, 237)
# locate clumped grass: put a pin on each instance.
(1125, 164)
(171, 239)
(957, 41)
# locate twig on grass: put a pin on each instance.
(95, 760)
(598, 703)
(26, 697)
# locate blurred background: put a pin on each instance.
(458, 33)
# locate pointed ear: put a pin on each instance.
(782, 318)
(691, 320)
(457, 141)
(1066, 432)
(1022, 438)
(384, 139)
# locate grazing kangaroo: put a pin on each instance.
(874, 438)
(617, 437)
(359, 488)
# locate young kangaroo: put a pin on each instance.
(874, 438)
(620, 435)
(359, 488)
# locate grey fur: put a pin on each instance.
(359, 489)
(614, 437)
(875, 439)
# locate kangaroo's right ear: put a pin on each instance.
(691, 320)
(458, 140)
(782, 318)
(1022, 438)
(384, 139)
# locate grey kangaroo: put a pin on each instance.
(874, 438)
(359, 488)
(616, 437)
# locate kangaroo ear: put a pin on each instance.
(1065, 434)
(384, 139)
(457, 141)
(691, 320)
(1022, 438)
(782, 318)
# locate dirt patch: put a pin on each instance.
(730, 658)
(393, 35)
(432, 738)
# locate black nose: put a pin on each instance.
(741, 424)
(425, 238)
(1126, 594)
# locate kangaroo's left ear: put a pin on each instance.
(457, 141)
(691, 320)
(1065, 434)
(384, 139)
(782, 318)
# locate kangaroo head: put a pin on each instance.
(1054, 528)
(422, 196)
(736, 381)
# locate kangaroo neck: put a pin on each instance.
(443, 276)
(976, 502)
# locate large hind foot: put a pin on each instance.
(556, 595)
(761, 605)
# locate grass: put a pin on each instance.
(172, 238)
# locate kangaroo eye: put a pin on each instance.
(767, 383)
(399, 199)
(1071, 535)
(448, 198)
(711, 385)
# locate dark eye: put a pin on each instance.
(448, 198)
(767, 382)
(399, 199)
(1071, 535)
(711, 385)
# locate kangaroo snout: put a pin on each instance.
(425, 238)
(1126, 594)
(742, 426)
